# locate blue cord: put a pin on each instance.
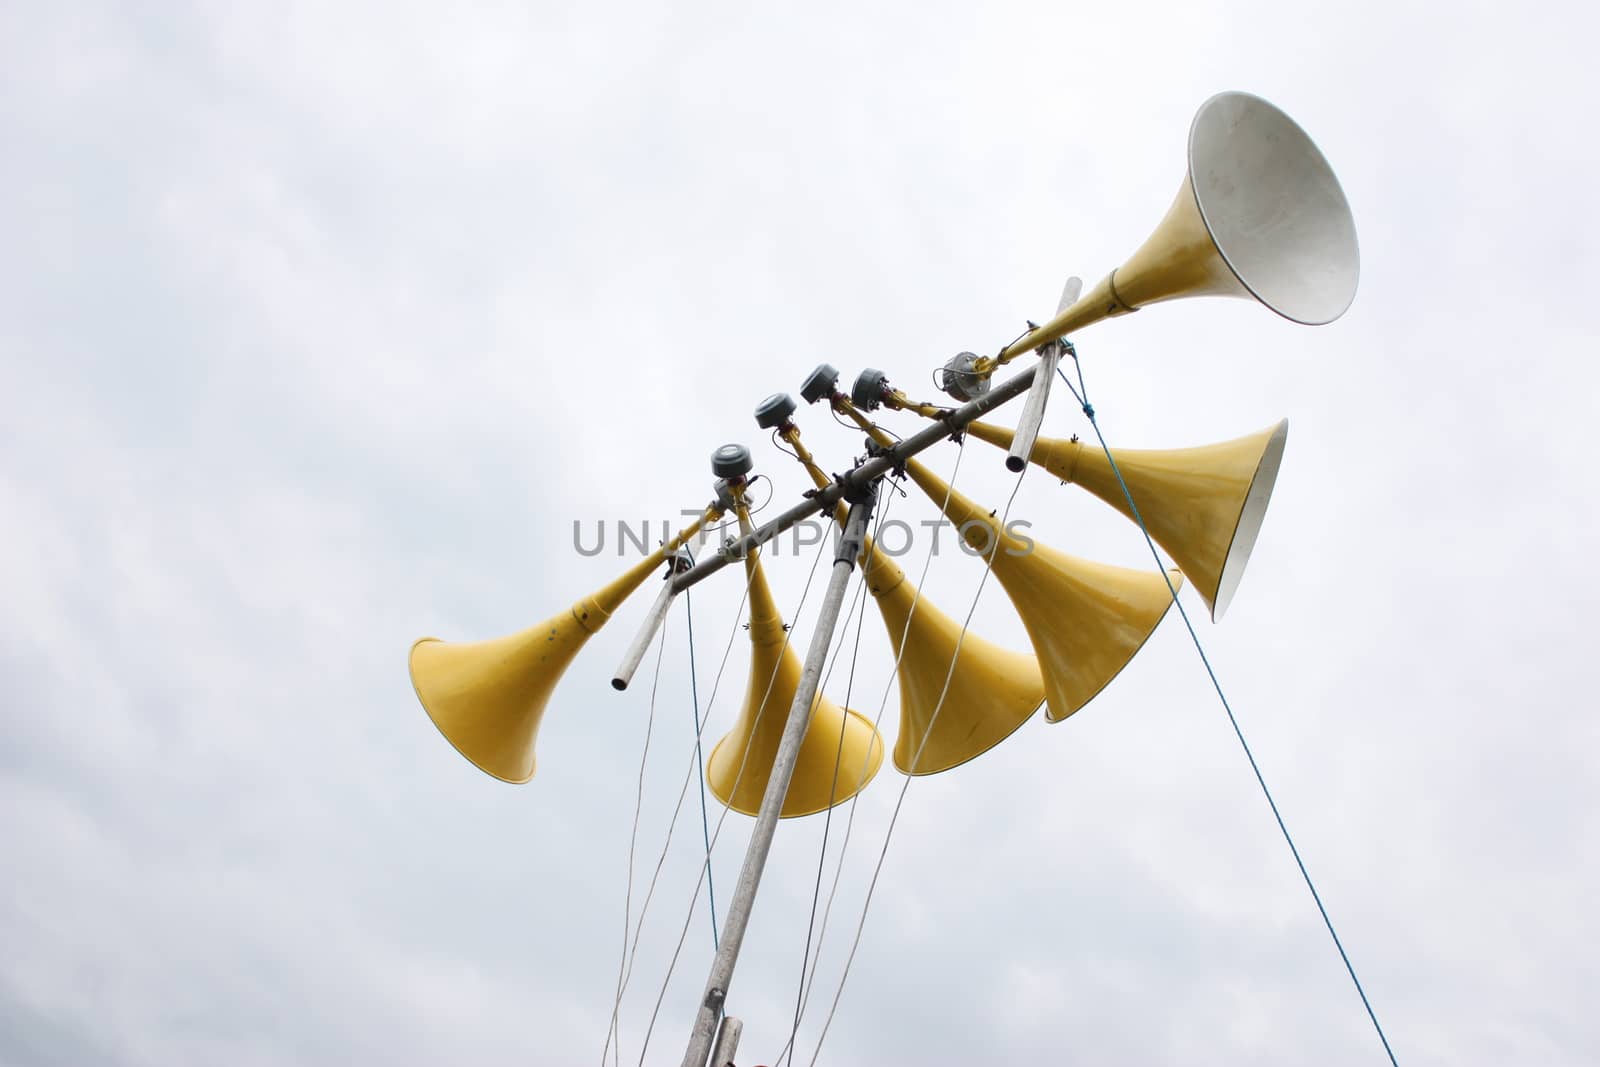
(1082, 397)
(699, 762)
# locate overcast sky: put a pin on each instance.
(320, 325)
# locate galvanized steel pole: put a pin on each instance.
(794, 731)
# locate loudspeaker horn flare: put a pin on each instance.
(488, 697)
(840, 752)
(947, 715)
(1259, 214)
(1204, 506)
(1086, 620)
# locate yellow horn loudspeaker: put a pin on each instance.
(992, 690)
(1086, 620)
(488, 697)
(1259, 215)
(740, 765)
(1204, 505)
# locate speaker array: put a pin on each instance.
(1259, 214)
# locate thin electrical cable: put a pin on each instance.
(838, 760)
(772, 491)
(827, 675)
(883, 703)
(717, 833)
(722, 819)
(633, 838)
(857, 603)
(778, 443)
(677, 809)
(842, 421)
(699, 763)
(1088, 410)
(915, 759)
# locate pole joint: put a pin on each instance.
(853, 537)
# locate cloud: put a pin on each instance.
(319, 326)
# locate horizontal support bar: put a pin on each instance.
(863, 475)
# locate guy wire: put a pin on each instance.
(1082, 397)
(633, 837)
(927, 563)
(717, 833)
(906, 785)
(838, 760)
(677, 809)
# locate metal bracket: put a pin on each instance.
(866, 493)
(877, 451)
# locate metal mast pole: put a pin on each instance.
(794, 731)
